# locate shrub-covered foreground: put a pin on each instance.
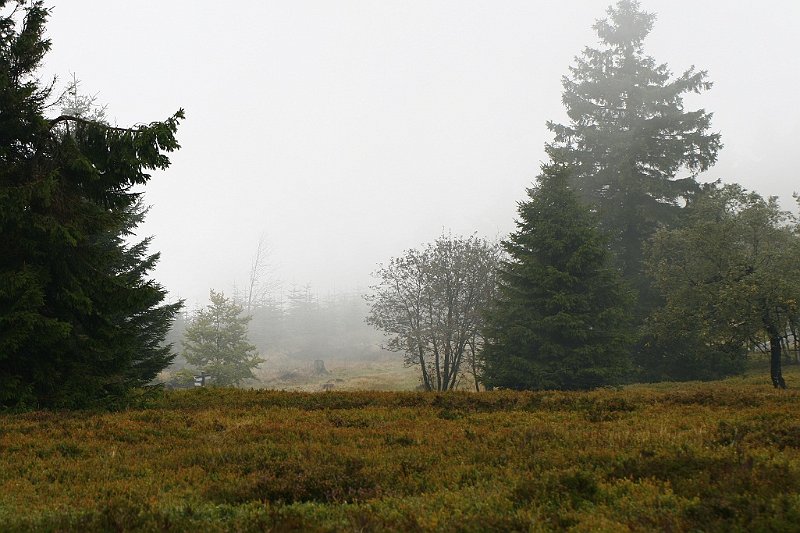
(708, 456)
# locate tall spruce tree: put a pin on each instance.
(634, 148)
(562, 318)
(80, 322)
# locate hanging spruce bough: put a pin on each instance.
(561, 320)
(216, 342)
(634, 148)
(80, 322)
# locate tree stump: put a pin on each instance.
(319, 367)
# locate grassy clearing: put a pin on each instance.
(700, 456)
(383, 374)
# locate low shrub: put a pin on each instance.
(691, 456)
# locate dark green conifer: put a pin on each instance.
(634, 148)
(80, 322)
(562, 318)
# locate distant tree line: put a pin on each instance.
(298, 324)
(227, 342)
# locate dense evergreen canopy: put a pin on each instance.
(633, 146)
(561, 320)
(80, 322)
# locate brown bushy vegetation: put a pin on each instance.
(700, 456)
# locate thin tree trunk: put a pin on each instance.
(425, 378)
(775, 360)
(474, 367)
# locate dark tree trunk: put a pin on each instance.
(775, 361)
(475, 368)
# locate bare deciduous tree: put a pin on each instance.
(430, 302)
(257, 288)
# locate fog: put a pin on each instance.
(349, 131)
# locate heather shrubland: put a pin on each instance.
(691, 456)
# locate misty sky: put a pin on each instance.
(348, 131)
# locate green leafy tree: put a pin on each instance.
(561, 320)
(730, 277)
(216, 342)
(80, 322)
(634, 148)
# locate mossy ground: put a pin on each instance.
(719, 456)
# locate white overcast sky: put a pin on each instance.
(349, 131)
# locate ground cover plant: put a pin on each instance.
(698, 456)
